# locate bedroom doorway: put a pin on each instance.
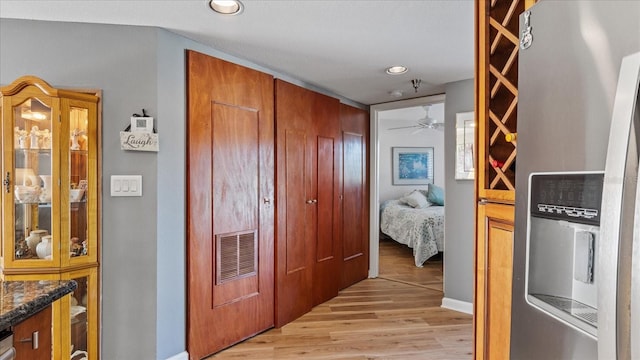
(381, 163)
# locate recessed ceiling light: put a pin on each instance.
(397, 70)
(395, 93)
(226, 7)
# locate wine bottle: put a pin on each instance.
(499, 164)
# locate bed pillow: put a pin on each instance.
(416, 200)
(435, 195)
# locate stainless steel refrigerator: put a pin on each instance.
(576, 272)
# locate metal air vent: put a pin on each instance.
(236, 256)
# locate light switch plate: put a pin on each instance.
(126, 185)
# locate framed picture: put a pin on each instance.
(465, 143)
(412, 165)
(141, 124)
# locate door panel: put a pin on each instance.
(235, 153)
(235, 201)
(296, 213)
(324, 248)
(295, 201)
(499, 270)
(326, 271)
(494, 260)
(355, 195)
(230, 225)
(326, 267)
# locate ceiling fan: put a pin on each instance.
(423, 123)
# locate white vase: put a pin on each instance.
(34, 239)
(44, 248)
(45, 195)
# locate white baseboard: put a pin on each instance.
(457, 305)
(181, 356)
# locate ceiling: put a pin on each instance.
(341, 46)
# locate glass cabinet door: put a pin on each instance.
(78, 317)
(78, 181)
(82, 317)
(32, 180)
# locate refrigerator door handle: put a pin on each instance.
(635, 273)
(619, 205)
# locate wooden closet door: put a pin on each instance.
(307, 242)
(355, 195)
(326, 272)
(230, 204)
(296, 210)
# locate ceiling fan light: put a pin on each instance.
(396, 70)
(226, 7)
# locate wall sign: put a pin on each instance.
(141, 137)
(139, 141)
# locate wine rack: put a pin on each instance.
(497, 95)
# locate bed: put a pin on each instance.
(421, 229)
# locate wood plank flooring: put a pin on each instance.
(396, 316)
(396, 263)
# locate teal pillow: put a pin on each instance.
(435, 195)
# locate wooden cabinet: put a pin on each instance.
(492, 321)
(496, 85)
(32, 337)
(308, 200)
(50, 199)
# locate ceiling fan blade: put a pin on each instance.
(404, 127)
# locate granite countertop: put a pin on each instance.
(20, 300)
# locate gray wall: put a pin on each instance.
(387, 139)
(459, 201)
(121, 61)
(143, 254)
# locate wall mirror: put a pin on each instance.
(465, 140)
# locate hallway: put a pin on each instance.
(396, 316)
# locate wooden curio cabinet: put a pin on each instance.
(50, 202)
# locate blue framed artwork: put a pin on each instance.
(412, 165)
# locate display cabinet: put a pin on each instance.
(50, 202)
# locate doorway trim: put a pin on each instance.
(374, 191)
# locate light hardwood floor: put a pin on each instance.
(396, 316)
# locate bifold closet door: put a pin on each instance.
(355, 195)
(307, 153)
(328, 252)
(230, 196)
